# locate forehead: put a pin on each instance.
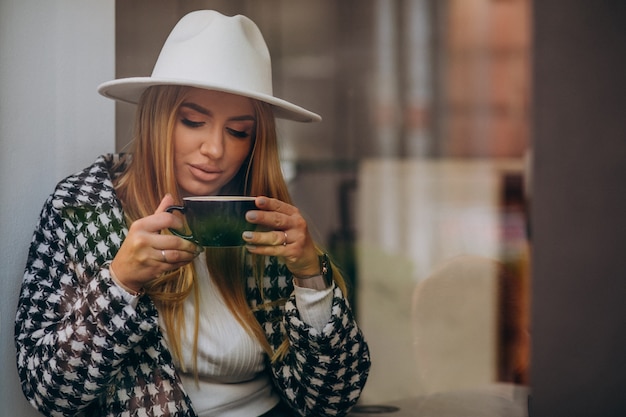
(219, 100)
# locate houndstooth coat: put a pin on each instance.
(83, 350)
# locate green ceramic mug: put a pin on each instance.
(215, 221)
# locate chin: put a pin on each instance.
(195, 192)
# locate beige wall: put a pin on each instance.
(52, 123)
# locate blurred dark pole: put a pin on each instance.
(578, 363)
(343, 240)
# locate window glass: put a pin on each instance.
(416, 178)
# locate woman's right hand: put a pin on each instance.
(146, 253)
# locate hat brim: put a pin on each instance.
(131, 89)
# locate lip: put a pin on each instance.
(203, 172)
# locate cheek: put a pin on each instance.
(176, 141)
(185, 144)
(180, 145)
(179, 140)
(241, 151)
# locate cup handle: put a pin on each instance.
(176, 232)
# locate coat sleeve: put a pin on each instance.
(73, 326)
(324, 372)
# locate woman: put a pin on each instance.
(117, 317)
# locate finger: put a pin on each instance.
(170, 220)
(272, 204)
(170, 242)
(277, 238)
(271, 219)
(167, 201)
(282, 238)
(158, 221)
(174, 258)
(155, 223)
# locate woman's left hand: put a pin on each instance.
(287, 236)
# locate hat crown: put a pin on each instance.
(209, 48)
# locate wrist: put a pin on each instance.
(319, 281)
(315, 282)
(132, 291)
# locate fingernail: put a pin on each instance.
(251, 215)
(250, 247)
(247, 235)
(262, 201)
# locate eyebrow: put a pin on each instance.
(208, 112)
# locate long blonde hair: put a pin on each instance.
(150, 176)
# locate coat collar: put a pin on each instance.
(93, 186)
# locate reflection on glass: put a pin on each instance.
(415, 178)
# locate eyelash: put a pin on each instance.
(237, 133)
(191, 123)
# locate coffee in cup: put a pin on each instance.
(215, 221)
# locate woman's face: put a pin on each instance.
(212, 138)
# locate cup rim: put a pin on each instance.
(219, 198)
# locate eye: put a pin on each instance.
(238, 133)
(191, 123)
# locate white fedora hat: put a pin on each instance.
(209, 50)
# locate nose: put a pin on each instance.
(213, 144)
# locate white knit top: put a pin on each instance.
(231, 363)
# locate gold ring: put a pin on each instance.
(163, 254)
(285, 241)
